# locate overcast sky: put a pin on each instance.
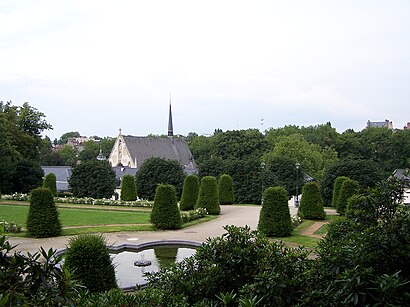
(97, 66)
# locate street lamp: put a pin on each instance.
(262, 168)
(297, 165)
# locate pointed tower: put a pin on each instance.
(170, 127)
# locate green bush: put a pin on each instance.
(128, 188)
(274, 218)
(42, 219)
(94, 179)
(50, 182)
(311, 204)
(208, 196)
(348, 189)
(189, 193)
(336, 189)
(88, 259)
(34, 279)
(165, 212)
(225, 190)
(156, 171)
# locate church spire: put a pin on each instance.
(170, 127)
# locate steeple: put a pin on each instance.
(170, 127)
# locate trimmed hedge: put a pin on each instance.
(225, 190)
(274, 218)
(311, 204)
(50, 182)
(190, 193)
(208, 196)
(349, 188)
(42, 219)
(88, 259)
(336, 189)
(165, 212)
(128, 188)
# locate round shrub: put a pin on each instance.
(349, 188)
(88, 259)
(274, 218)
(50, 182)
(189, 193)
(311, 204)
(165, 212)
(208, 196)
(42, 219)
(225, 190)
(336, 189)
(128, 188)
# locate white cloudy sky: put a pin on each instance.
(97, 66)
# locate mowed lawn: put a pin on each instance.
(79, 217)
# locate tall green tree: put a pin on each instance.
(50, 182)
(165, 212)
(208, 196)
(156, 171)
(20, 140)
(93, 179)
(68, 154)
(225, 190)
(190, 192)
(274, 218)
(366, 172)
(311, 204)
(128, 188)
(313, 159)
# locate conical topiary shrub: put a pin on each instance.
(42, 219)
(189, 193)
(336, 189)
(311, 204)
(274, 218)
(208, 196)
(128, 188)
(225, 190)
(349, 188)
(165, 212)
(50, 182)
(88, 259)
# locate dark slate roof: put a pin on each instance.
(120, 171)
(63, 173)
(142, 148)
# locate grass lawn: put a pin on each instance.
(297, 238)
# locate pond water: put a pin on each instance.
(128, 275)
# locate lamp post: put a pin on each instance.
(297, 165)
(262, 169)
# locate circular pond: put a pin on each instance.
(129, 275)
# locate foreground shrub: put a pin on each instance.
(241, 263)
(274, 218)
(349, 188)
(165, 212)
(88, 259)
(208, 196)
(225, 190)
(189, 193)
(336, 190)
(50, 182)
(365, 258)
(311, 204)
(42, 219)
(34, 280)
(128, 188)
